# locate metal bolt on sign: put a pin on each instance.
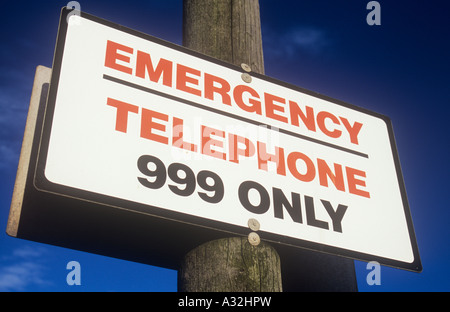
(246, 78)
(253, 224)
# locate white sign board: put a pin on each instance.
(144, 121)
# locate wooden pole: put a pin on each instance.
(230, 30)
(231, 265)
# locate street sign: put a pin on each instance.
(178, 142)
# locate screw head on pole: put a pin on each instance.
(246, 67)
(254, 239)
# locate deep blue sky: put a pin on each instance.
(399, 69)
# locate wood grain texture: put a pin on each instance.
(42, 76)
(229, 30)
(231, 264)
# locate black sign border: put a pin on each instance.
(44, 185)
